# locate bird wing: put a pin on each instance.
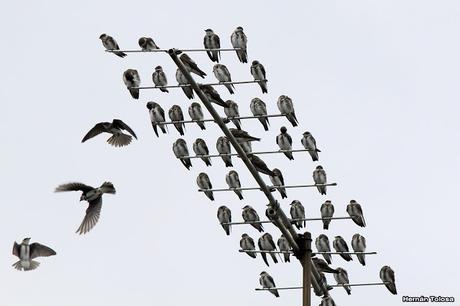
(40, 250)
(74, 186)
(121, 125)
(96, 130)
(16, 249)
(289, 138)
(262, 69)
(92, 216)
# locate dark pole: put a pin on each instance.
(306, 264)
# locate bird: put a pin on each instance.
(286, 108)
(223, 75)
(247, 244)
(284, 246)
(342, 279)
(233, 181)
(387, 275)
(182, 80)
(298, 212)
(240, 41)
(358, 243)
(322, 245)
(260, 165)
(284, 141)
(258, 72)
(258, 109)
(340, 245)
(278, 180)
(196, 113)
(327, 301)
(223, 147)
(322, 266)
(132, 80)
(116, 128)
(356, 213)
(180, 150)
(200, 148)
(246, 146)
(191, 65)
(250, 215)
(266, 243)
(231, 111)
(212, 95)
(212, 41)
(224, 214)
(110, 44)
(204, 183)
(327, 211)
(159, 78)
(94, 198)
(175, 114)
(319, 176)
(242, 135)
(324, 280)
(26, 252)
(147, 44)
(157, 117)
(309, 143)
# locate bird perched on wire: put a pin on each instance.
(356, 213)
(180, 151)
(258, 72)
(278, 180)
(231, 111)
(182, 80)
(132, 80)
(284, 246)
(266, 243)
(387, 275)
(319, 176)
(94, 198)
(260, 165)
(204, 183)
(233, 181)
(240, 41)
(322, 245)
(284, 141)
(327, 211)
(223, 147)
(147, 44)
(309, 143)
(242, 135)
(358, 243)
(322, 266)
(340, 245)
(191, 65)
(159, 78)
(224, 214)
(298, 212)
(26, 252)
(213, 95)
(223, 75)
(212, 41)
(116, 128)
(286, 108)
(342, 279)
(249, 214)
(196, 113)
(157, 117)
(247, 244)
(266, 281)
(110, 44)
(175, 114)
(259, 109)
(200, 148)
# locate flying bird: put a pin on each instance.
(180, 151)
(286, 108)
(191, 65)
(309, 143)
(240, 41)
(231, 111)
(247, 244)
(284, 246)
(213, 95)
(356, 213)
(284, 141)
(258, 109)
(233, 181)
(342, 279)
(266, 243)
(250, 215)
(147, 44)
(159, 78)
(258, 72)
(200, 148)
(387, 275)
(322, 245)
(278, 180)
(212, 41)
(223, 147)
(27, 252)
(260, 165)
(322, 266)
(132, 80)
(224, 214)
(110, 44)
(196, 113)
(94, 198)
(182, 80)
(175, 114)
(358, 243)
(327, 211)
(319, 176)
(340, 245)
(157, 117)
(116, 128)
(223, 75)
(204, 183)
(298, 212)
(242, 135)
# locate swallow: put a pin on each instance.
(266, 243)
(322, 266)
(116, 127)
(132, 80)
(260, 165)
(204, 183)
(327, 211)
(356, 213)
(233, 181)
(340, 245)
(250, 215)
(322, 245)
(200, 148)
(242, 136)
(213, 95)
(147, 44)
(191, 65)
(157, 117)
(358, 243)
(324, 280)
(182, 80)
(319, 176)
(286, 108)
(327, 301)
(387, 275)
(284, 246)
(258, 72)
(284, 141)
(94, 198)
(342, 279)
(309, 143)
(259, 109)
(180, 151)
(175, 114)
(159, 78)
(223, 147)
(247, 244)
(196, 113)
(231, 111)
(27, 252)
(212, 41)
(110, 44)
(224, 214)
(223, 75)
(246, 146)
(240, 41)
(298, 212)
(278, 180)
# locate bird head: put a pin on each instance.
(263, 273)
(209, 31)
(158, 68)
(247, 207)
(103, 36)
(328, 201)
(240, 29)
(26, 240)
(306, 133)
(255, 63)
(283, 129)
(319, 167)
(352, 202)
(244, 235)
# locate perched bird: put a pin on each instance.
(286, 108)
(110, 44)
(247, 244)
(224, 214)
(327, 301)
(27, 252)
(266, 243)
(356, 213)
(284, 141)
(322, 266)
(309, 143)
(157, 117)
(319, 176)
(258, 108)
(231, 111)
(387, 275)
(278, 180)
(358, 243)
(340, 245)
(116, 127)
(223, 147)
(147, 44)
(180, 150)
(196, 113)
(204, 183)
(246, 145)
(240, 41)
(212, 41)
(322, 245)
(175, 114)
(200, 148)
(242, 135)
(213, 95)
(191, 65)
(260, 165)
(298, 212)
(94, 197)
(324, 280)
(132, 79)
(342, 279)
(258, 72)
(250, 215)
(182, 80)
(223, 75)
(284, 246)
(327, 211)
(233, 181)
(159, 78)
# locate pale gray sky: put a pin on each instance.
(376, 82)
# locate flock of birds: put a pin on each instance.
(93, 195)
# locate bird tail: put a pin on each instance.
(239, 194)
(264, 122)
(264, 257)
(210, 195)
(186, 162)
(292, 119)
(207, 161)
(201, 125)
(120, 54)
(362, 259)
(289, 155)
(328, 258)
(263, 86)
(347, 257)
(164, 89)
(274, 258)
(326, 224)
(179, 128)
(120, 140)
(314, 155)
(188, 92)
(155, 129)
(391, 287)
(282, 191)
(286, 258)
(322, 189)
(253, 255)
(274, 292)
(134, 92)
(230, 89)
(227, 161)
(348, 289)
(242, 55)
(237, 123)
(32, 265)
(227, 229)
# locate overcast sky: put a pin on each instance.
(376, 83)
